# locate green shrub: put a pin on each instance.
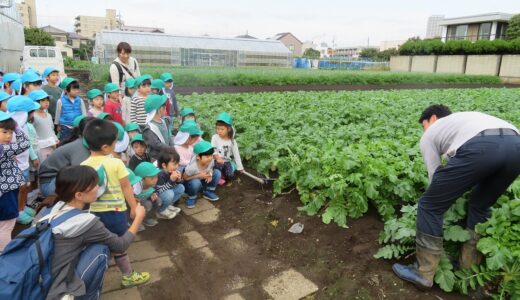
(457, 47)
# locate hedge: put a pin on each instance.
(456, 47)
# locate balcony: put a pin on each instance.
(474, 38)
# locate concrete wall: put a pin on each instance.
(451, 64)
(483, 65)
(510, 66)
(400, 63)
(424, 63)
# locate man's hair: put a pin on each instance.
(124, 46)
(72, 85)
(168, 155)
(439, 110)
(99, 133)
(210, 152)
(9, 124)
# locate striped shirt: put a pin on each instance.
(137, 112)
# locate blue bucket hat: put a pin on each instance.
(38, 95)
(17, 85)
(48, 71)
(4, 96)
(11, 77)
(21, 103)
(5, 116)
(30, 76)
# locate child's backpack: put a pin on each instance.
(25, 263)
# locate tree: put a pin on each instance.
(85, 51)
(311, 53)
(37, 37)
(513, 29)
(369, 53)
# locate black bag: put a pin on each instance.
(120, 71)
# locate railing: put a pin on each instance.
(478, 37)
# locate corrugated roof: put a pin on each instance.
(142, 39)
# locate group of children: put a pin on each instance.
(127, 141)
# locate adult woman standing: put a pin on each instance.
(124, 66)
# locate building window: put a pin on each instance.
(501, 31)
(484, 31)
(457, 32)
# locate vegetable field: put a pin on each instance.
(344, 151)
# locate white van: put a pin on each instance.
(41, 57)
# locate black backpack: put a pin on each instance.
(120, 71)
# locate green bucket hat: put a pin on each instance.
(166, 76)
(154, 102)
(130, 83)
(157, 84)
(226, 118)
(77, 120)
(131, 127)
(136, 138)
(146, 169)
(103, 115)
(202, 147)
(191, 127)
(111, 87)
(186, 111)
(93, 93)
(142, 78)
(65, 82)
(132, 177)
(122, 138)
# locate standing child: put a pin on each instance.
(156, 134)
(157, 87)
(52, 77)
(137, 112)
(139, 148)
(7, 85)
(68, 107)
(168, 90)
(188, 114)
(22, 109)
(96, 102)
(126, 103)
(100, 136)
(11, 178)
(113, 104)
(169, 185)
(227, 155)
(199, 175)
(42, 121)
(148, 197)
(30, 81)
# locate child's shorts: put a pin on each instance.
(115, 221)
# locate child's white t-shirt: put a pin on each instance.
(227, 149)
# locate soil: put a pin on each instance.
(340, 261)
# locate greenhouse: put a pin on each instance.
(193, 50)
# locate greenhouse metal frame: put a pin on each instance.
(182, 50)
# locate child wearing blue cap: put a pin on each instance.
(52, 78)
(42, 121)
(8, 80)
(11, 178)
(68, 107)
(30, 81)
(3, 100)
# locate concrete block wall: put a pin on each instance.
(510, 66)
(424, 63)
(451, 64)
(483, 65)
(400, 63)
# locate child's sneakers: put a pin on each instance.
(210, 195)
(221, 181)
(173, 208)
(190, 202)
(135, 279)
(166, 214)
(150, 222)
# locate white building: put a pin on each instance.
(385, 45)
(433, 28)
(478, 27)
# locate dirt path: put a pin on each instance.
(239, 248)
(355, 87)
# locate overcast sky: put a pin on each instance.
(348, 23)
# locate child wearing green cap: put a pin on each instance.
(139, 150)
(113, 104)
(200, 174)
(96, 102)
(189, 134)
(11, 177)
(168, 90)
(68, 107)
(227, 155)
(156, 133)
(52, 78)
(127, 99)
(137, 112)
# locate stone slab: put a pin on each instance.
(289, 285)
(232, 233)
(144, 250)
(126, 294)
(195, 240)
(201, 205)
(235, 296)
(207, 216)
